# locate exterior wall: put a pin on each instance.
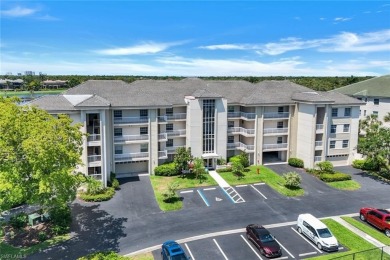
(221, 127)
(383, 108)
(153, 139)
(306, 133)
(194, 127)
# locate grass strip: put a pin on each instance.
(345, 185)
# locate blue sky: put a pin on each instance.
(196, 38)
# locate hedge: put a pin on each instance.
(167, 169)
(337, 176)
(227, 169)
(296, 162)
(107, 194)
(358, 164)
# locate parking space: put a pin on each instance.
(237, 246)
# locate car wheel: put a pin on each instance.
(387, 232)
(362, 217)
(319, 246)
(262, 252)
(299, 230)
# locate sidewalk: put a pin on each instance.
(221, 182)
(229, 190)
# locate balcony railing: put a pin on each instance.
(94, 158)
(177, 116)
(93, 137)
(241, 146)
(274, 146)
(131, 156)
(162, 154)
(317, 158)
(172, 149)
(240, 130)
(131, 120)
(277, 115)
(178, 132)
(319, 127)
(162, 137)
(318, 143)
(244, 115)
(275, 130)
(129, 138)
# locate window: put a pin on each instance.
(346, 128)
(230, 109)
(347, 111)
(230, 139)
(169, 111)
(345, 143)
(280, 125)
(365, 112)
(169, 127)
(376, 101)
(230, 123)
(117, 131)
(143, 130)
(280, 140)
(280, 109)
(117, 113)
(118, 149)
(360, 112)
(375, 113)
(144, 148)
(170, 143)
(143, 113)
(332, 144)
(335, 112)
(333, 129)
(208, 125)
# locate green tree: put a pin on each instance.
(237, 168)
(38, 156)
(181, 159)
(244, 158)
(199, 169)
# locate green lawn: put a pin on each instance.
(375, 233)
(6, 249)
(160, 183)
(345, 185)
(266, 175)
(352, 242)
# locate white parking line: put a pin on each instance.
(242, 185)
(189, 251)
(258, 192)
(209, 189)
(215, 241)
(288, 252)
(251, 247)
(307, 240)
(310, 253)
(187, 191)
(260, 183)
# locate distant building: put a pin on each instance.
(11, 84)
(54, 83)
(374, 92)
(29, 73)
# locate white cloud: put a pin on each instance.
(145, 48)
(48, 18)
(18, 11)
(227, 47)
(342, 19)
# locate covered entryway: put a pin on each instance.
(210, 160)
(274, 157)
(129, 169)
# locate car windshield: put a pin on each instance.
(324, 233)
(179, 257)
(266, 238)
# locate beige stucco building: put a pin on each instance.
(132, 128)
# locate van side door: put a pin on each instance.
(308, 230)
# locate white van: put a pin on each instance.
(317, 232)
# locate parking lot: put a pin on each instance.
(237, 246)
(216, 196)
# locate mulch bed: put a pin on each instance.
(27, 236)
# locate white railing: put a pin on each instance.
(318, 143)
(94, 158)
(96, 176)
(162, 119)
(243, 115)
(178, 132)
(277, 115)
(319, 127)
(241, 146)
(130, 120)
(240, 130)
(131, 156)
(162, 154)
(128, 138)
(93, 137)
(172, 149)
(274, 146)
(162, 136)
(317, 158)
(275, 130)
(177, 116)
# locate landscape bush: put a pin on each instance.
(293, 180)
(167, 169)
(358, 163)
(325, 167)
(18, 221)
(110, 255)
(114, 181)
(61, 218)
(337, 176)
(370, 165)
(227, 169)
(296, 162)
(104, 195)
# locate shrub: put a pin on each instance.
(244, 159)
(337, 176)
(293, 179)
(296, 162)
(94, 187)
(18, 221)
(170, 192)
(110, 255)
(370, 165)
(115, 184)
(168, 169)
(358, 164)
(60, 217)
(227, 169)
(221, 161)
(326, 167)
(234, 159)
(106, 194)
(42, 236)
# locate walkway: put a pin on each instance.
(229, 190)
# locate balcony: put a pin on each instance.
(162, 137)
(130, 157)
(94, 160)
(249, 148)
(241, 130)
(130, 138)
(277, 115)
(172, 149)
(176, 133)
(282, 146)
(162, 155)
(319, 128)
(242, 115)
(317, 158)
(172, 117)
(93, 140)
(275, 131)
(130, 120)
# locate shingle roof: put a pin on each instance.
(375, 87)
(94, 101)
(53, 103)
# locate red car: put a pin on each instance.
(380, 218)
(263, 240)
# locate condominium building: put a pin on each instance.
(132, 128)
